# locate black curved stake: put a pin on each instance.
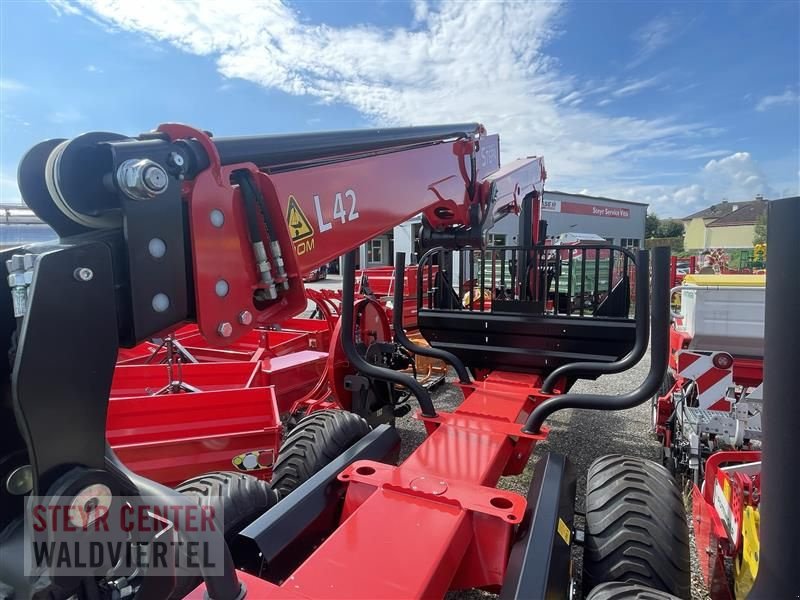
(400, 334)
(659, 356)
(642, 319)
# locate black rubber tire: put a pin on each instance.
(238, 497)
(618, 590)
(313, 443)
(636, 530)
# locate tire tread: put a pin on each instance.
(636, 530)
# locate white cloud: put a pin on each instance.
(442, 69)
(420, 10)
(787, 98)
(652, 36)
(634, 87)
(12, 85)
(735, 177)
(93, 69)
(65, 115)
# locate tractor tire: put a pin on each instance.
(312, 444)
(239, 498)
(636, 530)
(618, 590)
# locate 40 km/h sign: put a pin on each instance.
(299, 226)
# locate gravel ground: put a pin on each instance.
(581, 435)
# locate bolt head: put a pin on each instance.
(20, 481)
(221, 288)
(176, 159)
(225, 329)
(155, 178)
(217, 217)
(245, 317)
(142, 179)
(83, 274)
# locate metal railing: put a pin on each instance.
(553, 280)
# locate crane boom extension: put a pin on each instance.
(261, 211)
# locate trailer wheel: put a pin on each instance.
(618, 590)
(636, 530)
(238, 497)
(313, 443)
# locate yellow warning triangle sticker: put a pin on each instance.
(299, 226)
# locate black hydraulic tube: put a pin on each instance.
(659, 356)
(349, 347)
(642, 320)
(400, 334)
(269, 150)
(218, 587)
(780, 478)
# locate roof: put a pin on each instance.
(747, 213)
(548, 192)
(724, 208)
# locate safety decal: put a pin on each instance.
(563, 531)
(299, 226)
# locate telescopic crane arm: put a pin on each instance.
(220, 230)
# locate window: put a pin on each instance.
(497, 239)
(375, 251)
(629, 242)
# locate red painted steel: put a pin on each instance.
(352, 210)
(708, 530)
(172, 437)
(381, 284)
(440, 503)
(714, 543)
(442, 499)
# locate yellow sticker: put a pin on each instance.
(299, 226)
(563, 531)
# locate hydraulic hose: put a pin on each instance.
(356, 360)
(400, 334)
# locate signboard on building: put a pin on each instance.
(580, 208)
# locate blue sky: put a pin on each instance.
(676, 104)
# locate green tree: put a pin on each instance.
(760, 230)
(651, 224)
(669, 229)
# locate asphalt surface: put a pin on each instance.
(582, 435)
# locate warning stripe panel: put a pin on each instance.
(712, 383)
(686, 359)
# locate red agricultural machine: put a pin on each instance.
(175, 227)
(712, 395)
(708, 417)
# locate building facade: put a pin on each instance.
(728, 225)
(618, 221)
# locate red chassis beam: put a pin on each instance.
(436, 522)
